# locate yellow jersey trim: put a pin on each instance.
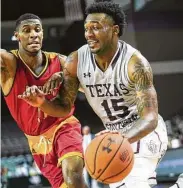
(70, 154)
(44, 69)
(63, 185)
(43, 144)
(14, 52)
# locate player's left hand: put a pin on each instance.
(53, 83)
(33, 96)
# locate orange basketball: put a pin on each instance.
(109, 158)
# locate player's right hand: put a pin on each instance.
(33, 96)
(53, 83)
(106, 131)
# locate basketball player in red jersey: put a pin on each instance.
(55, 143)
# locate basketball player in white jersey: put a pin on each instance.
(118, 84)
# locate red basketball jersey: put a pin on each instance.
(30, 119)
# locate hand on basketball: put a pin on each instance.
(107, 131)
(53, 83)
(33, 96)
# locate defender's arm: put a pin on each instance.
(8, 69)
(62, 104)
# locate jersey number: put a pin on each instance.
(116, 107)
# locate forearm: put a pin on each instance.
(141, 129)
(53, 108)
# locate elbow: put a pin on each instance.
(154, 124)
(64, 112)
(153, 121)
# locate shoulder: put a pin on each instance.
(83, 48)
(138, 66)
(72, 57)
(9, 58)
(71, 64)
(53, 55)
(8, 55)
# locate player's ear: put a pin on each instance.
(43, 32)
(116, 29)
(16, 35)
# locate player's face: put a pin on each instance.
(30, 35)
(99, 32)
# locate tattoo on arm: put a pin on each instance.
(148, 100)
(146, 94)
(68, 91)
(142, 76)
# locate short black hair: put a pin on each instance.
(26, 16)
(111, 9)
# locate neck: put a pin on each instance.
(105, 58)
(32, 60)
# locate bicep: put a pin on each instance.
(8, 60)
(6, 68)
(146, 97)
(3, 59)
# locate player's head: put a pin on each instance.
(86, 130)
(104, 24)
(29, 32)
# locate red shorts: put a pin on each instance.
(53, 146)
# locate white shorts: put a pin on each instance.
(148, 152)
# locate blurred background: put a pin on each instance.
(155, 27)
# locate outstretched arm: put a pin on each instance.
(57, 78)
(141, 75)
(62, 104)
(8, 69)
(67, 93)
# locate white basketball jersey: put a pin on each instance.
(110, 93)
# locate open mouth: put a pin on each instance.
(92, 43)
(33, 43)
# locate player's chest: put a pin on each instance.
(107, 84)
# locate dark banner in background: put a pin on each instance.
(158, 28)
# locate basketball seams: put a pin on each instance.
(110, 160)
(105, 170)
(94, 156)
(119, 172)
(87, 165)
(96, 153)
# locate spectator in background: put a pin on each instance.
(175, 131)
(4, 177)
(87, 138)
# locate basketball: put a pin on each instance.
(109, 158)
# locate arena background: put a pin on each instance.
(154, 27)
